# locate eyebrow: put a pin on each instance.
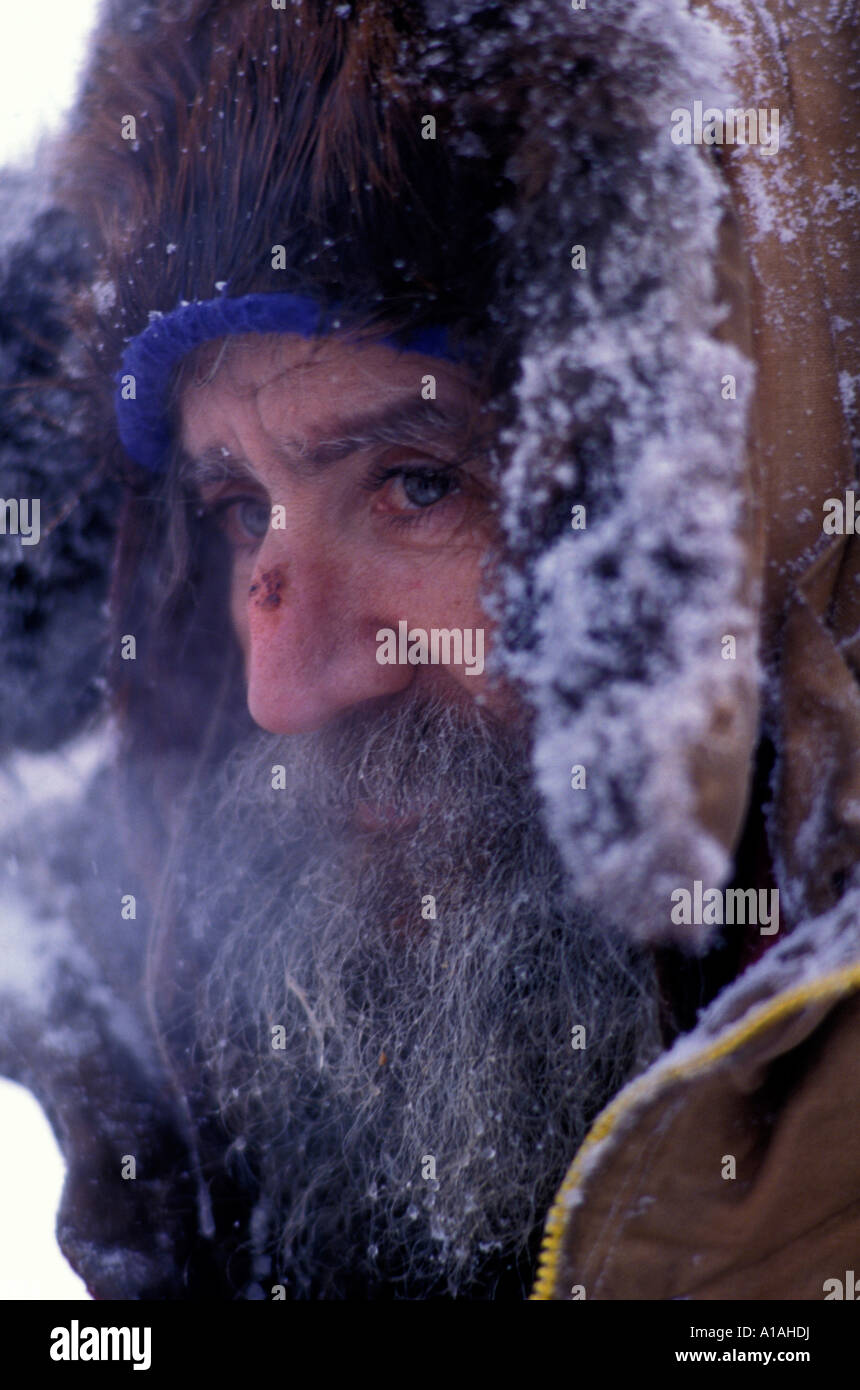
(420, 423)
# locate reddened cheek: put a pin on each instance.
(239, 585)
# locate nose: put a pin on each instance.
(311, 617)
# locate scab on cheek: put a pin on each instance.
(267, 592)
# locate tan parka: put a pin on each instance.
(731, 1169)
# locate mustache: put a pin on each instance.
(403, 757)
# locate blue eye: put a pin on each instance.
(242, 518)
(253, 516)
(423, 489)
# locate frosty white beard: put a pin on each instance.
(349, 1040)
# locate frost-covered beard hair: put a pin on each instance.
(403, 1085)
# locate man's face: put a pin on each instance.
(393, 911)
(382, 515)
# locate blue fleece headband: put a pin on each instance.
(143, 381)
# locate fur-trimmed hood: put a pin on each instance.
(551, 132)
(623, 369)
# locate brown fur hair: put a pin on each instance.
(256, 128)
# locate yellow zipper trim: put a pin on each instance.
(841, 982)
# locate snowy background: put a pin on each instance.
(41, 49)
(31, 1179)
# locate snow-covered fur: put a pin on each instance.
(616, 630)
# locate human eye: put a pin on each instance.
(244, 519)
(406, 492)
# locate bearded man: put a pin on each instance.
(462, 688)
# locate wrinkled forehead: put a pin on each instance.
(284, 385)
(243, 362)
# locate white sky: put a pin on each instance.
(41, 48)
(31, 1179)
